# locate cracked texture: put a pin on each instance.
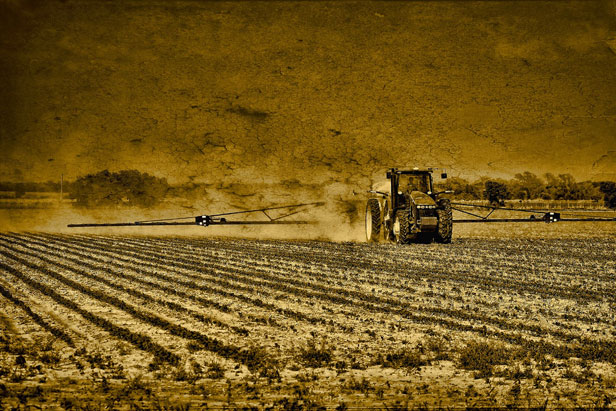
(313, 91)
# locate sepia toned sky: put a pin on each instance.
(311, 91)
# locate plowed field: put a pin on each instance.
(156, 321)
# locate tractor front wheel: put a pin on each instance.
(402, 227)
(373, 220)
(445, 222)
(387, 225)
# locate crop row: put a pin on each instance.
(567, 336)
(262, 278)
(90, 252)
(140, 341)
(252, 358)
(341, 264)
(248, 276)
(423, 319)
(601, 348)
(401, 281)
(361, 257)
(131, 291)
(146, 269)
(401, 277)
(55, 331)
(596, 348)
(496, 272)
(247, 262)
(221, 289)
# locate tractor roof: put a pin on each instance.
(415, 170)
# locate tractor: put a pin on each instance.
(407, 209)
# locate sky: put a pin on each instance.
(302, 92)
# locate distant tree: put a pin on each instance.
(496, 192)
(526, 186)
(124, 188)
(551, 186)
(29, 186)
(562, 187)
(608, 188)
(462, 188)
(7, 186)
(587, 190)
(20, 190)
(49, 186)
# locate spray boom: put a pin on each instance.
(206, 220)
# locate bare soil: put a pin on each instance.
(127, 321)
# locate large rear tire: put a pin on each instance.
(373, 220)
(445, 222)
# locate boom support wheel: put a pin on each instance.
(373, 220)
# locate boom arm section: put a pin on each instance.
(536, 216)
(218, 219)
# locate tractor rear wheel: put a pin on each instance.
(373, 220)
(445, 222)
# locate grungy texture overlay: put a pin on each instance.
(306, 92)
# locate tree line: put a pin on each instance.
(136, 189)
(528, 186)
(21, 188)
(103, 189)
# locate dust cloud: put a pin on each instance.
(333, 221)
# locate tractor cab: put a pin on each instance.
(416, 182)
(409, 187)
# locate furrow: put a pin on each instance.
(140, 341)
(53, 330)
(246, 357)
